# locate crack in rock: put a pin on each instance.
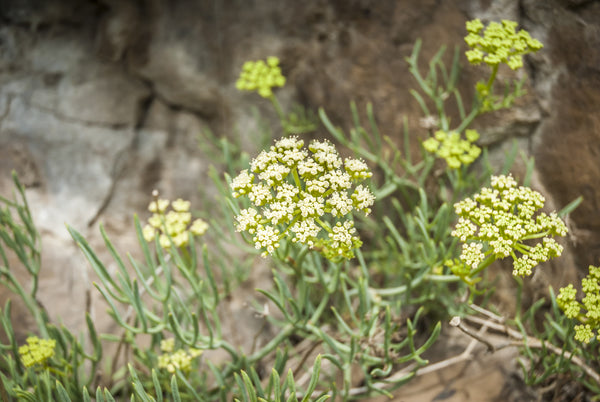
(83, 122)
(121, 158)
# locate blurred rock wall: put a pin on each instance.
(103, 101)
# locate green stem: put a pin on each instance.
(342, 346)
(34, 285)
(402, 289)
(274, 343)
(228, 347)
(521, 248)
(476, 108)
(439, 104)
(492, 78)
(483, 265)
(257, 356)
(297, 181)
(320, 308)
(186, 255)
(536, 236)
(324, 225)
(443, 278)
(347, 374)
(465, 123)
(376, 158)
(414, 70)
(302, 255)
(278, 108)
(32, 305)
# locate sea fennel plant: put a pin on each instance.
(368, 254)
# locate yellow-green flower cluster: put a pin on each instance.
(499, 43)
(502, 221)
(452, 148)
(173, 360)
(306, 195)
(590, 321)
(37, 351)
(176, 223)
(261, 77)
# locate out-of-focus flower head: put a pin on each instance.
(173, 360)
(590, 320)
(37, 351)
(452, 148)
(176, 223)
(261, 76)
(499, 43)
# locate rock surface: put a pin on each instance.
(103, 101)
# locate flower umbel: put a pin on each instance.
(173, 360)
(590, 320)
(499, 43)
(306, 195)
(452, 148)
(261, 77)
(37, 351)
(503, 221)
(176, 224)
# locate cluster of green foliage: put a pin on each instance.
(365, 267)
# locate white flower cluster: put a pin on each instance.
(292, 191)
(503, 218)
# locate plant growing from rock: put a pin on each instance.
(498, 43)
(365, 267)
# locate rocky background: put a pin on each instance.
(102, 101)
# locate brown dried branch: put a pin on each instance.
(496, 323)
